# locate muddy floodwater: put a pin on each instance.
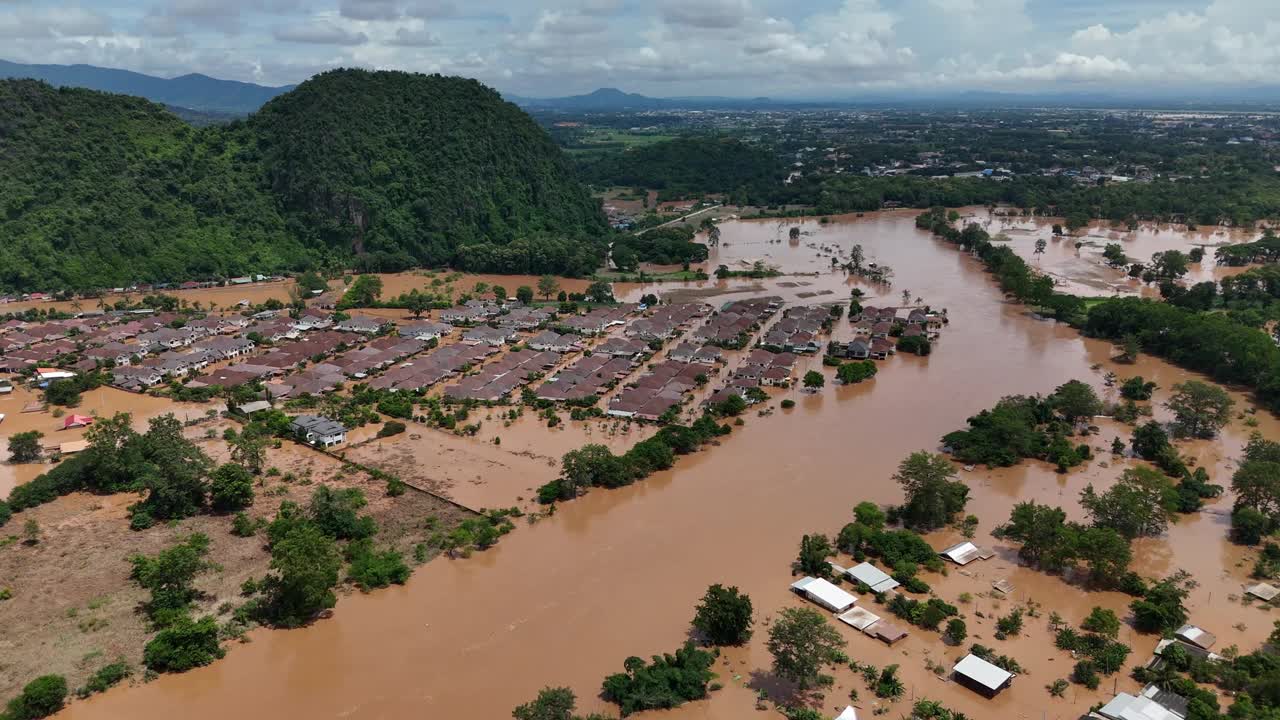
(616, 573)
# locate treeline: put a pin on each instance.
(671, 245)
(375, 170)
(595, 465)
(1204, 342)
(1021, 427)
(688, 166)
(1016, 277)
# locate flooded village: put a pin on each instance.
(822, 381)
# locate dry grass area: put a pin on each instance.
(73, 607)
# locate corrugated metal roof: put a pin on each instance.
(871, 576)
(982, 672)
(824, 593)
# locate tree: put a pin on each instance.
(1129, 349)
(174, 471)
(305, 564)
(1105, 553)
(1161, 609)
(814, 551)
(802, 643)
(1200, 409)
(24, 447)
(933, 497)
(1137, 388)
(1169, 264)
(182, 645)
(40, 698)
(548, 286)
(1102, 621)
(814, 380)
(724, 616)
(869, 514)
(1137, 505)
(249, 448)
(363, 292)
(499, 292)
(666, 682)
(552, 703)
(1075, 401)
(593, 465)
(170, 577)
(956, 631)
(231, 488)
(417, 303)
(1041, 244)
(600, 292)
(1114, 255)
(856, 257)
(334, 512)
(524, 294)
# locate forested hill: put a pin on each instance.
(381, 169)
(422, 168)
(102, 190)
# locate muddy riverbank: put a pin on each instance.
(565, 600)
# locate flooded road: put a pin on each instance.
(617, 573)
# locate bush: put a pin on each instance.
(1086, 674)
(667, 682)
(391, 427)
(915, 344)
(724, 616)
(788, 403)
(41, 697)
(373, 569)
(243, 526)
(183, 645)
(106, 677)
(231, 488)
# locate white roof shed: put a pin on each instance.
(1195, 635)
(824, 593)
(982, 673)
(1128, 707)
(965, 553)
(848, 714)
(871, 576)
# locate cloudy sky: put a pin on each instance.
(782, 48)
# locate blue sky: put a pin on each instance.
(782, 48)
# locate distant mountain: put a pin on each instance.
(615, 100)
(194, 91)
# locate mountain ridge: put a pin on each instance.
(195, 91)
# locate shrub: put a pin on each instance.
(667, 682)
(724, 616)
(243, 526)
(1085, 674)
(391, 427)
(375, 569)
(41, 697)
(231, 488)
(183, 645)
(105, 678)
(788, 403)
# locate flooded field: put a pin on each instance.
(101, 402)
(616, 573)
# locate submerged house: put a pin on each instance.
(980, 676)
(824, 593)
(318, 430)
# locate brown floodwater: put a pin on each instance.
(616, 573)
(100, 402)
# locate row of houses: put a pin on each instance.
(798, 329)
(733, 326)
(497, 380)
(662, 387)
(585, 378)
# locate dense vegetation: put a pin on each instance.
(691, 166)
(1028, 427)
(380, 169)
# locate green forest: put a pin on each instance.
(380, 170)
(692, 166)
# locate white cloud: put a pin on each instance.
(832, 48)
(320, 32)
(706, 14)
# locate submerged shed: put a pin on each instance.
(965, 553)
(858, 618)
(1195, 635)
(981, 676)
(824, 593)
(1262, 591)
(886, 632)
(871, 576)
(847, 714)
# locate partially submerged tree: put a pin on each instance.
(802, 643)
